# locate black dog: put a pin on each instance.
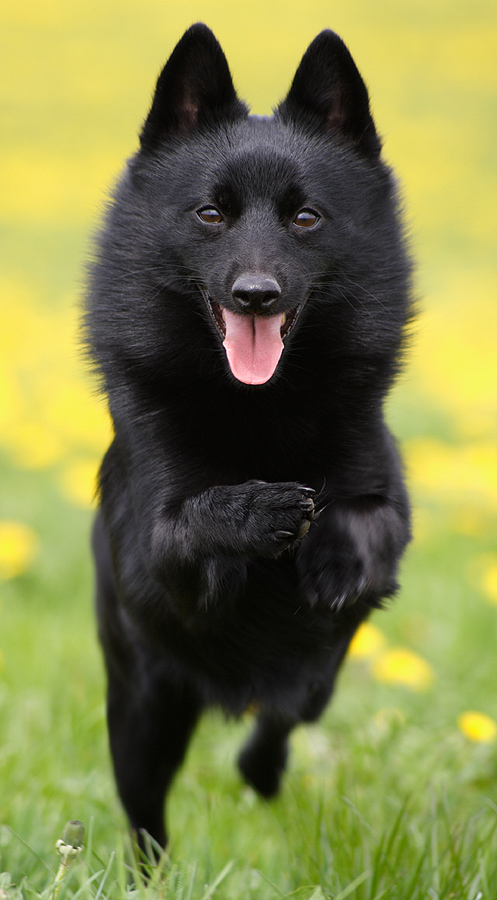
(246, 314)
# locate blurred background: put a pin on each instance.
(76, 81)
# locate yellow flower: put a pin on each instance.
(78, 482)
(470, 520)
(453, 472)
(478, 727)
(455, 359)
(482, 571)
(18, 548)
(33, 445)
(489, 581)
(398, 665)
(54, 188)
(367, 641)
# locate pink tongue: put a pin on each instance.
(253, 346)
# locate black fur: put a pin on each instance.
(245, 530)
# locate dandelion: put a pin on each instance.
(470, 520)
(477, 727)
(68, 847)
(18, 548)
(482, 571)
(454, 471)
(489, 581)
(398, 665)
(367, 641)
(78, 482)
(456, 360)
(32, 445)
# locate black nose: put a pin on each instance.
(255, 293)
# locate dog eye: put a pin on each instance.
(210, 215)
(306, 218)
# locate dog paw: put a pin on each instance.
(262, 767)
(278, 516)
(333, 583)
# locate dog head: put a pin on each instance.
(250, 227)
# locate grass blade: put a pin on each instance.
(353, 885)
(217, 881)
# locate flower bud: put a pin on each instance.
(74, 833)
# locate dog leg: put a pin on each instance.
(263, 759)
(149, 731)
(354, 552)
(321, 690)
(151, 716)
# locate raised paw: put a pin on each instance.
(277, 516)
(337, 580)
(352, 555)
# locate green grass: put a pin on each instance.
(396, 805)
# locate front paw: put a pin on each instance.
(277, 516)
(333, 582)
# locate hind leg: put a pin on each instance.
(263, 759)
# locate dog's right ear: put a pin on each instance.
(194, 86)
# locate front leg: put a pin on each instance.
(353, 551)
(196, 544)
(209, 540)
(251, 519)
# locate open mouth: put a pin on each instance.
(287, 320)
(253, 344)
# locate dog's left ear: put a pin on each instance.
(329, 93)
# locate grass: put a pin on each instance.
(385, 798)
(392, 795)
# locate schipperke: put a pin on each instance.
(246, 311)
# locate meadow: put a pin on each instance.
(394, 793)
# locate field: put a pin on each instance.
(394, 794)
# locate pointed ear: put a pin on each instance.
(194, 85)
(328, 92)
